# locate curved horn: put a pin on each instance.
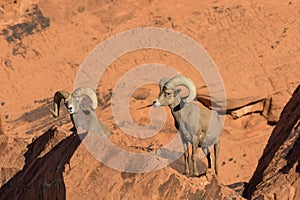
(162, 83)
(58, 96)
(88, 92)
(182, 80)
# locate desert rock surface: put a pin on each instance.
(277, 173)
(254, 44)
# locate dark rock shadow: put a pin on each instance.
(282, 144)
(293, 155)
(178, 165)
(42, 174)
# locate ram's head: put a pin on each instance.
(169, 91)
(72, 101)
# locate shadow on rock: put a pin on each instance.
(278, 170)
(42, 174)
(179, 164)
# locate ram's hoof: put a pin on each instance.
(209, 174)
(187, 174)
(196, 174)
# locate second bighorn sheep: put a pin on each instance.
(73, 102)
(199, 126)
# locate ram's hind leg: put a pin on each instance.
(208, 156)
(194, 159)
(216, 155)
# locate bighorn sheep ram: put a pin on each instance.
(199, 126)
(83, 117)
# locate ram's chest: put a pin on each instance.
(186, 133)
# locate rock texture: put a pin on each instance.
(277, 175)
(53, 158)
(11, 158)
(254, 45)
(41, 176)
(1, 131)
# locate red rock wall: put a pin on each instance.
(278, 172)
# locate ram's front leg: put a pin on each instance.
(186, 158)
(194, 154)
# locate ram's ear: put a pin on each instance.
(177, 91)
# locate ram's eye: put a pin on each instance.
(168, 93)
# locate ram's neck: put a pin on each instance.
(176, 108)
(175, 103)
